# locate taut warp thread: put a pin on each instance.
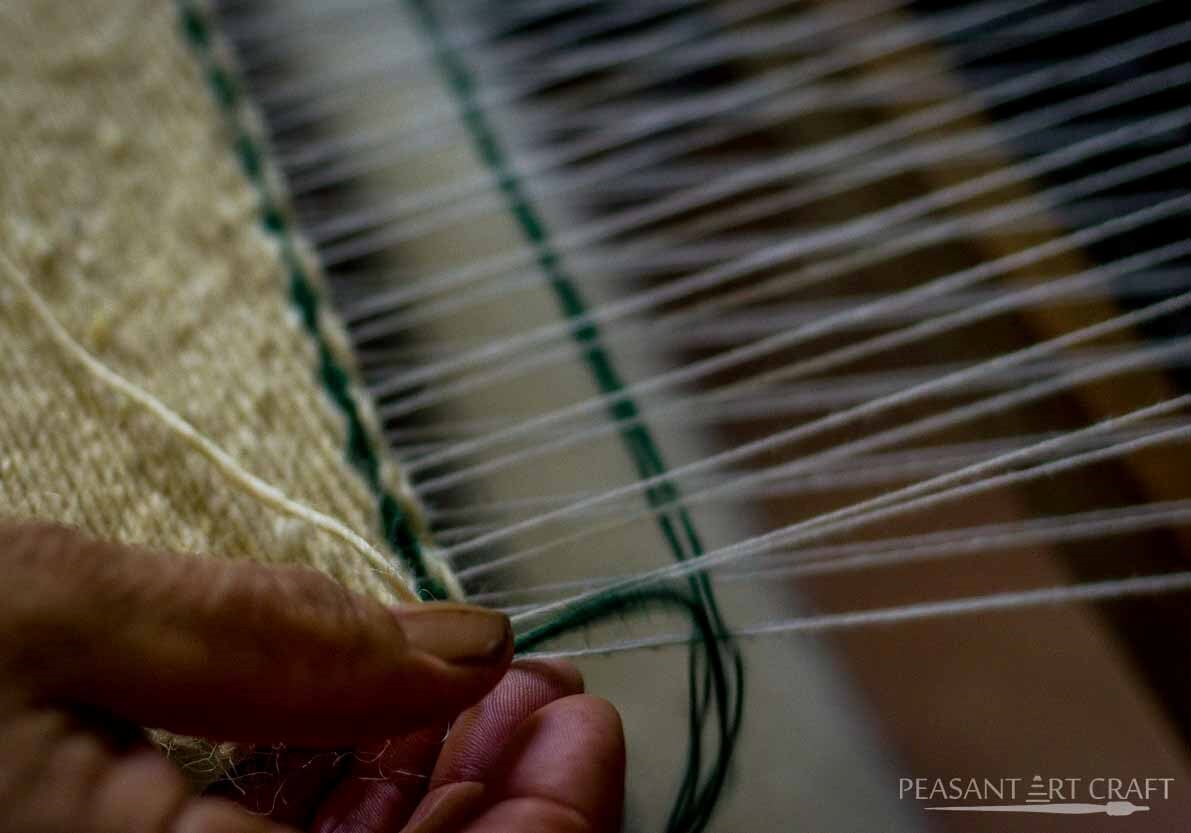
(760, 224)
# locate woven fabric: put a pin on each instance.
(124, 200)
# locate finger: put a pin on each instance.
(480, 733)
(52, 762)
(84, 784)
(562, 771)
(233, 649)
(380, 795)
(382, 786)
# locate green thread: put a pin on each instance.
(693, 806)
(333, 378)
(695, 801)
(697, 795)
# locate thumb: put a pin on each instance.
(232, 650)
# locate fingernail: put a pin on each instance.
(456, 633)
(446, 808)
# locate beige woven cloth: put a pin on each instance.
(127, 210)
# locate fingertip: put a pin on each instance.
(455, 654)
(480, 733)
(597, 728)
(430, 689)
(457, 634)
(138, 791)
(572, 753)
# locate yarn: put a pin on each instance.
(721, 684)
(874, 203)
(228, 466)
(1109, 590)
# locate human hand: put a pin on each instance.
(98, 639)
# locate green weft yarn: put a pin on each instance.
(334, 379)
(695, 800)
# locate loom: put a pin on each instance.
(859, 326)
(780, 216)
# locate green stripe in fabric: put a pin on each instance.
(332, 377)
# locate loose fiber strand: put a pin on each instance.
(244, 480)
